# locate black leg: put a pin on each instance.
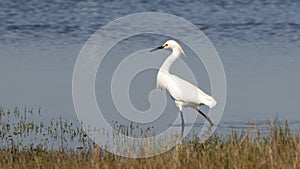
(182, 123)
(182, 119)
(207, 118)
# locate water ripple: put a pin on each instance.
(74, 21)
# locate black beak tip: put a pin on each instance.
(160, 47)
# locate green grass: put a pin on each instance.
(28, 142)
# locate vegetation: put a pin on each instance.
(29, 141)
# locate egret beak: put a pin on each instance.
(160, 47)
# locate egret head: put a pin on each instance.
(170, 44)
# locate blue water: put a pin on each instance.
(72, 22)
(258, 42)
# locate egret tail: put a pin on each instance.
(209, 101)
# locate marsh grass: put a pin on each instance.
(28, 141)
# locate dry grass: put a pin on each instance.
(278, 149)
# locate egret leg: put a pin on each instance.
(206, 117)
(182, 119)
(182, 123)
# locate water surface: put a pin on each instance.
(258, 42)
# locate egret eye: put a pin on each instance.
(166, 45)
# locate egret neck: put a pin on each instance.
(171, 59)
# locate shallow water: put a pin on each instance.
(258, 42)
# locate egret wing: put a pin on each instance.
(184, 91)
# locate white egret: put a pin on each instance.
(182, 92)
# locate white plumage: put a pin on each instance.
(184, 93)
